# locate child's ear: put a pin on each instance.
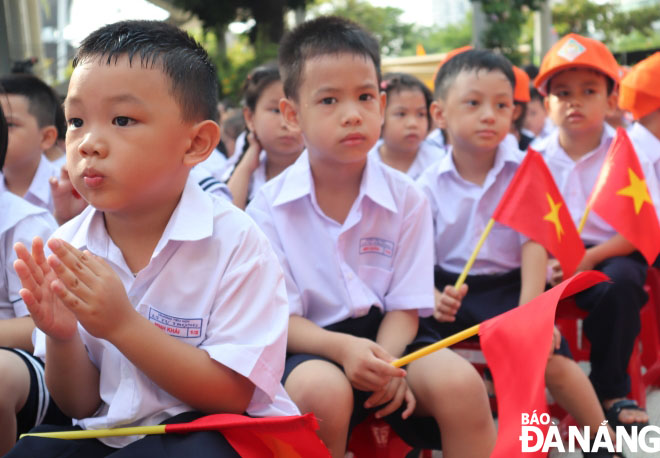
(248, 116)
(48, 137)
(612, 102)
(383, 104)
(438, 114)
(205, 137)
(289, 111)
(517, 111)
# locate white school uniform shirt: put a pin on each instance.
(213, 282)
(20, 221)
(209, 183)
(461, 210)
(437, 139)
(39, 191)
(216, 164)
(381, 255)
(647, 146)
(426, 155)
(576, 180)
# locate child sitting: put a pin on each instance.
(273, 146)
(29, 106)
(578, 76)
(355, 240)
(145, 309)
(407, 123)
(474, 96)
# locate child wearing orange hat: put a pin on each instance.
(577, 77)
(640, 95)
(520, 100)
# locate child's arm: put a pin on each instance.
(364, 361)
(94, 293)
(17, 333)
(72, 379)
(533, 269)
(239, 182)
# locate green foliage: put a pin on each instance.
(505, 20)
(444, 39)
(385, 23)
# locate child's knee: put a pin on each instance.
(322, 388)
(15, 381)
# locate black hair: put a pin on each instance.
(520, 121)
(256, 82)
(60, 121)
(609, 82)
(531, 70)
(472, 60)
(397, 82)
(182, 59)
(234, 124)
(323, 36)
(534, 94)
(42, 101)
(4, 136)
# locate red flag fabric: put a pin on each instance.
(292, 437)
(622, 198)
(533, 206)
(516, 345)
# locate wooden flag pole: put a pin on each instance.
(96, 433)
(473, 257)
(451, 340)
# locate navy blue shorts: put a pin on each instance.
(419, 432)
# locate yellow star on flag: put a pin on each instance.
(637, 190)
(553, 216)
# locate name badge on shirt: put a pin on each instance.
(376, 246)
(178, 327)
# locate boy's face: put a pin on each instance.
(578, 102)
(339, 108)
(477, 111)
(27, 141)
(126, 138)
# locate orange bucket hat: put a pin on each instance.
(521, 91)
(640, 92)
(576, 51)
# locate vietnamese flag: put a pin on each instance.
(516, 345)
(622, 198)
(533, 206)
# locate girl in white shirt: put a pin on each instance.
(406, 125)
(272, 145)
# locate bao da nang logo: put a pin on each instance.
(538, 433)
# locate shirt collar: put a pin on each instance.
(649, 142)
(298, 183)
(191, 220)
(40, 187)
(507, 152)
(555, 149)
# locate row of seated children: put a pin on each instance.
(371, 222)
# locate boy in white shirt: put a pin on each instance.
(24, 400)
(355, 240)
(577, 77)
(29, 105)
(144, 307)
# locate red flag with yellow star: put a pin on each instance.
(533, 206)
(622, 198)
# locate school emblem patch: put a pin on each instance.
(375, 245)
(571, 49)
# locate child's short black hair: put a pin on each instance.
(472, 60)
(256, 82)
(182, 59)
(534, 94)
(609, 82)
(397, 82)
(42, 101)
(322, 36)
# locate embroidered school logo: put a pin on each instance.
(376, 246)
(188, 328)
(571, 49)
(546, 436)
